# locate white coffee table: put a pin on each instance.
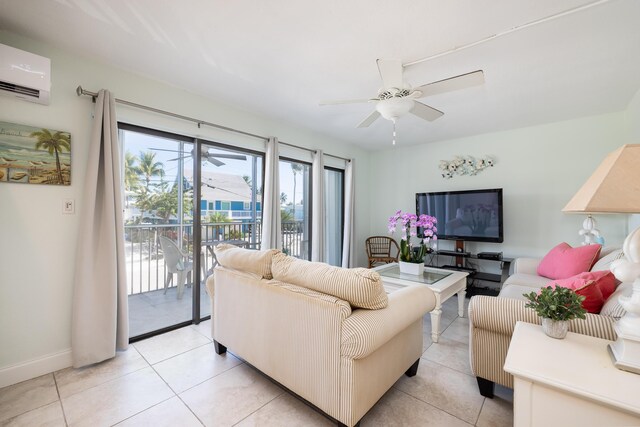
(443, 283)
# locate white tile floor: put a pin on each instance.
(176, 379)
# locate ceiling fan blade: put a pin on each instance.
(370, 119)
(425, 112)
(390, 72)
(179, 158)
(215, 161)
(462, 81)
(345, 101)
(227, 156)
(164, 149)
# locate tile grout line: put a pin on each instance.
(449, 367)
(139, 412)
(210, 378)
(37, 407)
(64, 414)
(105, 382)
(195, 328)
(170, 357)
(479, 413)
(434, 406)
(178, 395)
(265, 404)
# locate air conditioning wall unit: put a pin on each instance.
(24, 75)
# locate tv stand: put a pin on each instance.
(460, 264)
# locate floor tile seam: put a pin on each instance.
(141, 411)
(484, 400)
(170, 357)
(203, 381)
(195, 328)
(190, 410)
(64, 415)
(456, 340)
(103, 383)
(265, 404)
(453, 369)
(434, 406)
(3, 421)
(164, 381)
(38, 407)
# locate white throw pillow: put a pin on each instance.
(612, 307)
(604, 263)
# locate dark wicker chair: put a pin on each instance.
(381, 249)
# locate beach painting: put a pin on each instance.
(34, 155)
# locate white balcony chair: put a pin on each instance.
(174, 260)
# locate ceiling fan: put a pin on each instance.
(397, 98)
(207, 155)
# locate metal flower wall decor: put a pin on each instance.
(465, 165)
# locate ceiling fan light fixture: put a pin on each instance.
(393, 108)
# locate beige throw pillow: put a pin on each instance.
(360, 287)
(252, 261)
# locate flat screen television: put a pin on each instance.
(472, 215)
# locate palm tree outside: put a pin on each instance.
(296, 168)
(54, 144)
(131, 178)
(148, 167)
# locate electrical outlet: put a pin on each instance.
(68, 206)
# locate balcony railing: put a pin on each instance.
(146, 270)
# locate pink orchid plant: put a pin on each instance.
(409, 224)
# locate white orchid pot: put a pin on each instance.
(411, 268)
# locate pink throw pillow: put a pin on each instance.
(595, 286)
(563, 261)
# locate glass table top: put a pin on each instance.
(429, 277)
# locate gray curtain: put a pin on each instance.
(271, 220)
(100, 324)
(318, 215)
(348, 249)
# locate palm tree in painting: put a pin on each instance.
(54, 143)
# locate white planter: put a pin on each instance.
(555, 328)
(411, 268)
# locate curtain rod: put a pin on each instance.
(80, 91)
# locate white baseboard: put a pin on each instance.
(35, 367)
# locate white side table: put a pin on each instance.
(569, 382)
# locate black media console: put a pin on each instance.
(458, 261)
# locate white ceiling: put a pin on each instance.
(280, 59)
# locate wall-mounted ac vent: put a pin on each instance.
(24, 75)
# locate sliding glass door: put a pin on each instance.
(230, 202)
(158, 228)
(295, 208)
(334, 222)
(167, 261)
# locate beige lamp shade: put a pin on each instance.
(614, 187)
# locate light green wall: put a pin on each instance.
(539, 168)
(39, 242)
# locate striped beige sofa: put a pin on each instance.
(330, 335)
(493, 319)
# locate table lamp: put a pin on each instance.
(615, 188)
